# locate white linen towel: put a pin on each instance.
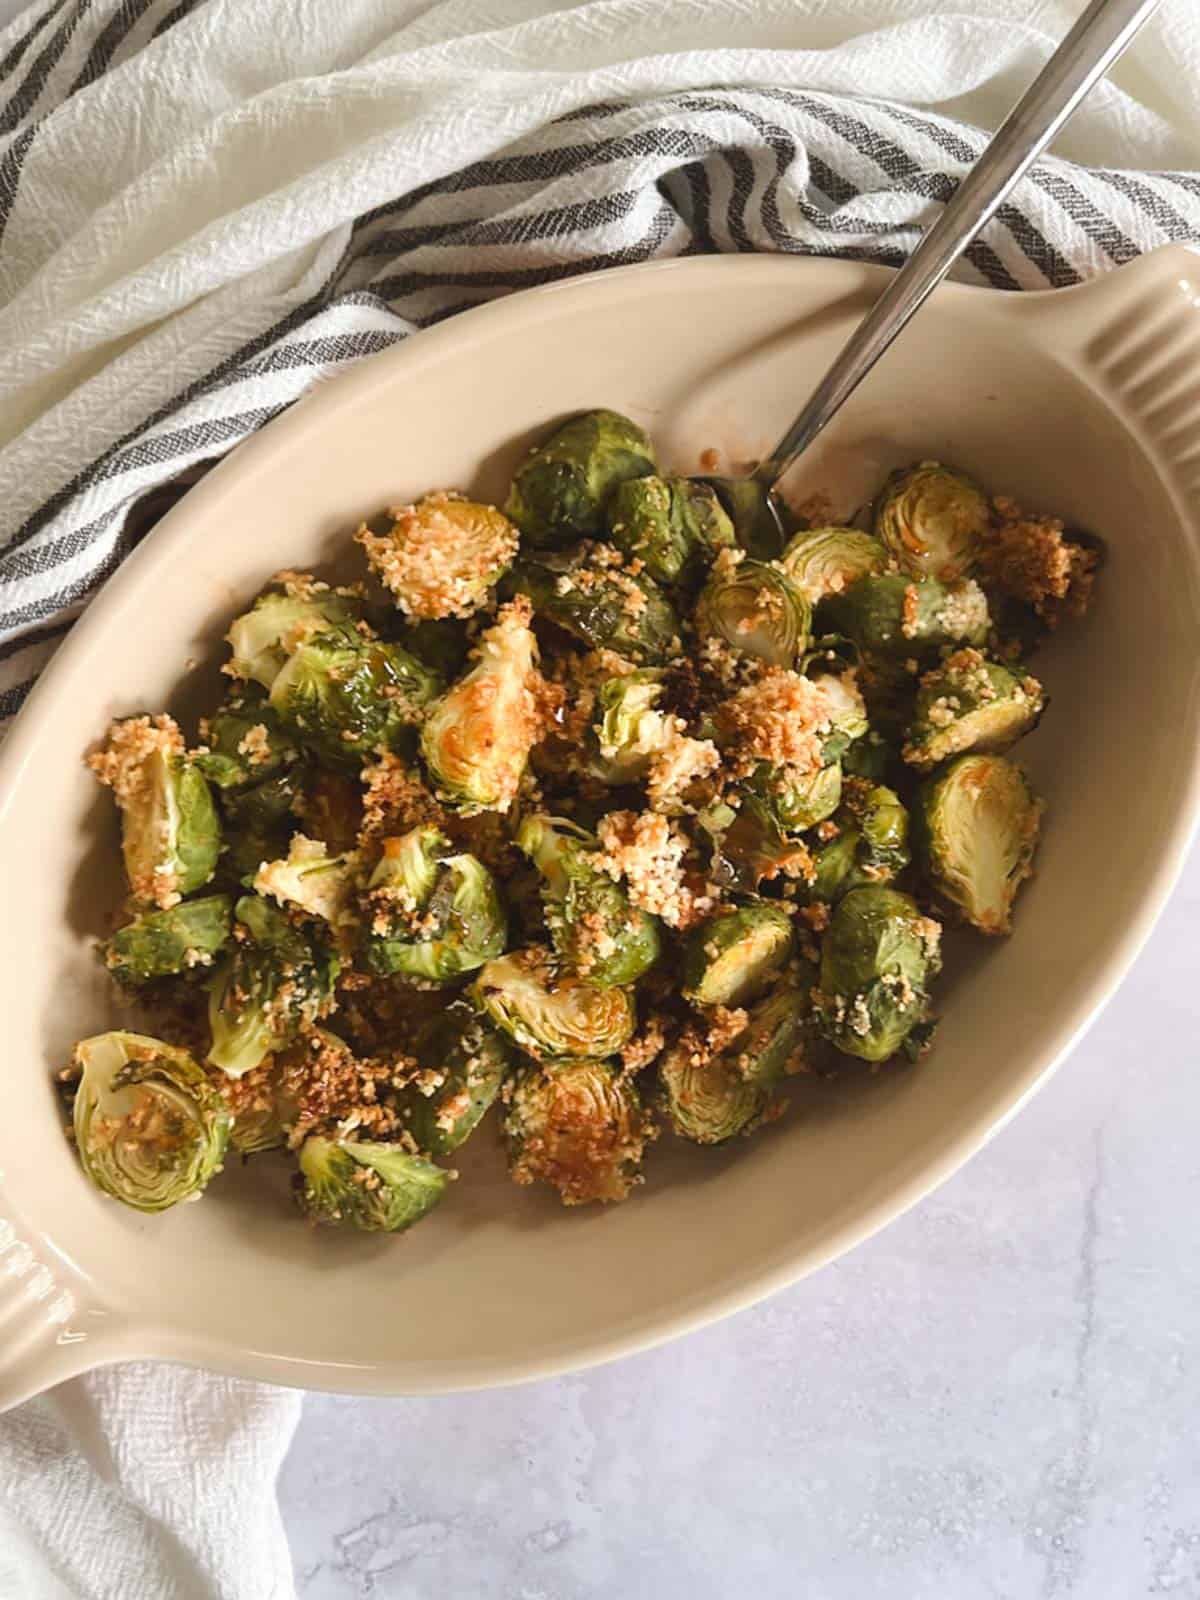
(206, 205)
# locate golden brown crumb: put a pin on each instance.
(395, 799)
(781, 719)
(335, 1091)
(587, 1144)
(646, 1045)
(123, 764)
(647, 851)
(680, 763)
(255, 745)
(1028, 559)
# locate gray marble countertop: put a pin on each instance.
(994, 1399)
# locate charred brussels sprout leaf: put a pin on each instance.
(734, 955)
(932, 520)
(756, 611)
(280, 620)
(877, 957)
(477, 738)
(589, 593)
(160, 943)
(441, 644)
(246, 743)
(562, 488)
(970, 703)
(149, 1126)
(472, 1059)
(596, 932)
(580, 1128)
(442, 556)
(553, 1017)
(259, 823)
(431, 913)
(169, 830)
(980, 829)
(673, 525)
(824, 561)
(376, 1188)
(897, 616)
(346, 697)
(274, 980)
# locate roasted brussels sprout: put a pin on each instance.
(477, 738)
(756, 611)
(877, 957)
(149, 1126)
(553, 1017)
(309, 879)
(824, 561)
(280, 620)
(431, 913)
(274, 980)
(244, 742)
(872, 756)
(561, 489)
(846, 711)
(596, 932)
(674, 526)
(800, 803)
(580, 1128)
(630, 727)
(771, 1045)
(346, 697)
(160, 943)
(734, 955)
(355, 1183)
(442, 556)
(468, 1061)
(901, 617)
(169, 830)
(970, 703)
(589, 592)
(749, 845)
(870, 845)
(262, 1110)
(980, 825)
(259, 823)
(932, 520)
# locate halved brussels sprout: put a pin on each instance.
(932, 520)
(630, 728)
(981, 821)
(274, 980)
(261, 1109)
(580, 1128)
(824, 561)
(431, 913)
(477, 738)
(469, 1060)
(442, 556)
(160, 943)
(870, 847)
(749, 845)
(846, 708)
(734, 955)
(553, 1017)
(169, 830)
(346, 697)
(309, 879)
(877, 957)
(705, 1098)
(357, 1183)
(596, 932)
(259, 822)
(672, 525)
(800, 803)
(280, 620)
(898, 616)
(150, 1128)
(970, 703)
(561, 489)
(771, 1045)
(245, 742)
(756, 611)
(589, 592)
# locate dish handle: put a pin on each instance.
(48, 1331)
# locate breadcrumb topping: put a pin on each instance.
(647, 851)
(440, 557)
(1029, 559)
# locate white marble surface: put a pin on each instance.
(994, 1399)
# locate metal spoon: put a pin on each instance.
(1084, 56)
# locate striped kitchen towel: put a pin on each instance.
(206, 205)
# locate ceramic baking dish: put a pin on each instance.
(1085, 402)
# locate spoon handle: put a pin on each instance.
(1086, 53)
